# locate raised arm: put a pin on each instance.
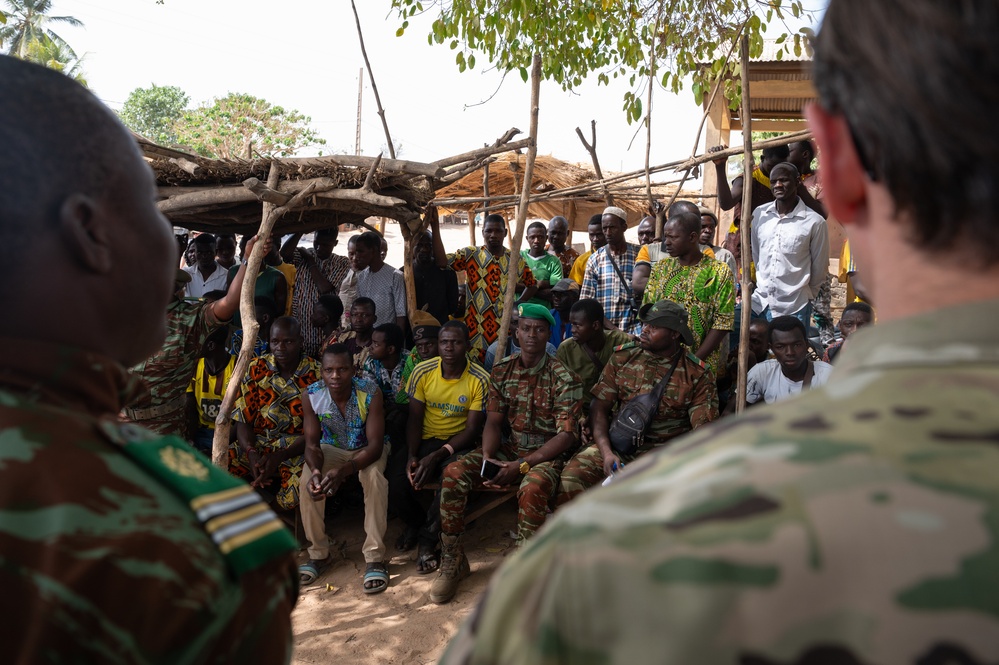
(289, 247)
(440, 256)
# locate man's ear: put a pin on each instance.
(84, 230)
(843, 178)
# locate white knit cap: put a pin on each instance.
(617, 212)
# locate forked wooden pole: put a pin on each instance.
(513, 267)
(747, 216)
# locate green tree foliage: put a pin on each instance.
(57, 56)
(238, 125)
(665, 40)
(27, 22)
(153, 112)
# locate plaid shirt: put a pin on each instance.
(602, 283)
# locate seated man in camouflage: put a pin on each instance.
(268, 414)
(539, 399)
(689, 401)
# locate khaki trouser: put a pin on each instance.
(375, 487)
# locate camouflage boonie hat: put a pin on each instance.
(667, 314)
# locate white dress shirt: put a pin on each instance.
(199, 286)
(791, 253)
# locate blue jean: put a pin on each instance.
(804, 315)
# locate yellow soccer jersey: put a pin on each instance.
(447, 401)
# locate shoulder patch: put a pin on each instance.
(625, 346)
(244, 529)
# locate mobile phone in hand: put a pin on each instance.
(489, 469)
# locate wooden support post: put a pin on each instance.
(747, 216)
(223, 421)
(513, 267)
(271, 214)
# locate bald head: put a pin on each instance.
(77, 191)
(682, 206)
(288, 324)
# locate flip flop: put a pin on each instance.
(310, 572)
(428, 560)
(377, 574)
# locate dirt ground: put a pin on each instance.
(400, 625)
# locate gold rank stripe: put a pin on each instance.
(206, 499)
(249, 536)
(228, 519)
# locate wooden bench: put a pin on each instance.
(504, 495)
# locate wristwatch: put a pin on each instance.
(524, 466)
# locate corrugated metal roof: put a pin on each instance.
(771, 48)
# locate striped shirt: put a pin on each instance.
(307, 293)
(602, 283)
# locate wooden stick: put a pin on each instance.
(513, 267)
(502, 144)
(371, 77)
(592, 149)
(223, 421)
(747, 216)
(370, 178)
(359, 161)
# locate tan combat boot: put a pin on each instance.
(454, 568)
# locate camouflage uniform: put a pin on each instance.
(538, 403)
(690, 400)
(107, 530)
(167, 374)
(856, 523)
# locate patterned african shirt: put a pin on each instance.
(706, 290)
(272, 405)
(538, 402)
(349, 339)
(601, 282)
(334, 269)
(346, 431)
(690, 400)
(567, 256)
(388, 381)
(167, 373)
(485, 277)
(91, 507)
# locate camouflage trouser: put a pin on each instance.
(533, 495)
(584, 470)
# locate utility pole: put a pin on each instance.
(360, 93)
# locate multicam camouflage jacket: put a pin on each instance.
(855, 524)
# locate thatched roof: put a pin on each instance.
(550, 174)
(211, 195)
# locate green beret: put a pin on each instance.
(532, 311)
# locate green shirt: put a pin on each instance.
(547, 268)
(574, 357)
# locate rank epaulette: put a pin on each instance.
(243, 527)
(625, 346)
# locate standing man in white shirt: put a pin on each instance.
(790, 249)
(206, 274)
(380, 281)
